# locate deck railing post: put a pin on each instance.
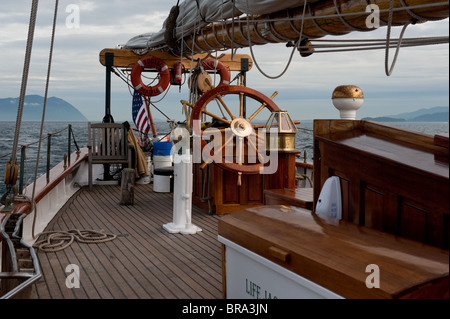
(22, 167)
(69, 142)
(49, 147)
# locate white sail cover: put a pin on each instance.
(195, 14)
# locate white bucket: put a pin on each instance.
(162, 161)
(163, 180)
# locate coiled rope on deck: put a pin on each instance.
(59, 240)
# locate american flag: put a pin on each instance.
(140, 116)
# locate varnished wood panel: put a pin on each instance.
(285, 174)
(413, 223)
(373, 208)
(441, 140)
(254, 185)
(230, 188)
(391, 180)
(345, 192)
(228, 196)
(300, 197)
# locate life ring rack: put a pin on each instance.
(150, 62)
(213, 64)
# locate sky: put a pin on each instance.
(420, 78)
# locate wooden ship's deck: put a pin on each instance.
(144, 261)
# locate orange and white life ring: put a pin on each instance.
(150, 62)
(220, 68)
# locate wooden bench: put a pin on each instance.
(107, 144)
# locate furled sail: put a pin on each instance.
(194, 15)
(210, 25)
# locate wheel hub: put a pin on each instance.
(241, 127)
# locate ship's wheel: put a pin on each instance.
(236, 113)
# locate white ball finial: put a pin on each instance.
(348, 99)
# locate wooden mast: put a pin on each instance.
(286, 25)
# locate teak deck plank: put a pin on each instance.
(157, 238)
(144, 261)
(117, 258)
(104, 266)
(135, 260)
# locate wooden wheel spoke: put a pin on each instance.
(251, 143)
(257, 112)
(217, 117)
(241, 104)
(258, 137)
(261, 108)
(225, 145)
(219, 152)
(225, 106)
(208, 113)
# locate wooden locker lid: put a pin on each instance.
(337, 256)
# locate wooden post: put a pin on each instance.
(127, 187)
(109, 63)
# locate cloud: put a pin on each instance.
(420, 78)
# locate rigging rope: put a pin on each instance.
(43, 112)
(371, 44)
(292, 53)
(390, 69)
(26, 68)
(130, 87)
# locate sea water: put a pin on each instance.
(30, 131)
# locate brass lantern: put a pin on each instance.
(280, 132)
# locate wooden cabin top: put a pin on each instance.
(337, 256)
(392, 179)
(416, 150)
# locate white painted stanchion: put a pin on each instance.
(182, 197)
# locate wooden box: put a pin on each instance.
(286, 252)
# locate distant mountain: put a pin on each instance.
(434, 114)
(383, 119)
(434, 117)
(411, 115)
(56, 110)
